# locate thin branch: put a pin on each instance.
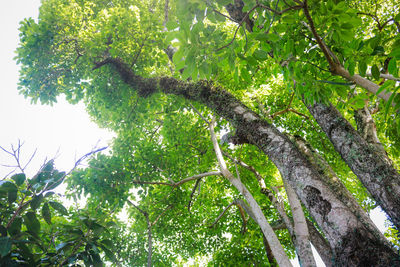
(325, 50)
(242, 214)
(198, 112)
(222, 14)
(161, 214)
(192, 193)
(250, 168)
(30, 159)
(282, 11)
(155, 183)
(188, 179)
(240, 24)
(386, 76)
(166, 14)
(198, 176)
(145, 214)
(222, 214)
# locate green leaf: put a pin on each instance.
(392, 68)
(178, 56)
(31, 222)
(35, 202)
(19, 178)
(15, 226)
(59, 207)
(375, 72)
(109, 253)
(224, 2)
(12, 196)
(387, 84)
(46, 213)
(171, 25)
(273, 37)
(395, 52)
(7, 186)
(3, 230)
(261, 37)
(107, 243)
(379, 50)
(390, 100)
(362, 68)
(26, 253)
(397, 18)
(260, 55)
(5, 245)
(347, 26)
(63, 245)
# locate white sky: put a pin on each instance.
(63, 128)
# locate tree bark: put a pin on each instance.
(321, 245)
(302, 241)
(369, 164)
(254, 209)
(353, 242)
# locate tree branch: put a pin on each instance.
(188, 179)
(222, 214)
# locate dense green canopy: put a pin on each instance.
(156, 72)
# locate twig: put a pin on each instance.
(228, 17)
(192, 193)
(222, 214)
(282, 11)
(161, 214)
(237, 28)
(188, 179)
(198, 112)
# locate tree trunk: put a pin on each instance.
(321, 245)
(302, 241)
(369, 164)
(353, 242)
(254, 209)
(268, 251)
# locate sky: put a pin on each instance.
(63, 131)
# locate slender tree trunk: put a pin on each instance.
(255, 210)
(268, 251)
(370, 164)
(303, 246)
(321, 245)
(353, 242)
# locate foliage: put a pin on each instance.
(37, 230)
(268, 58)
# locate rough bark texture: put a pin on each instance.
(303, 246)
(353, 242)
(369, 164)
(367, 129)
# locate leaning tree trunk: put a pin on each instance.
(353, 242)
(303, 246)
(370, 164)
(254, 209)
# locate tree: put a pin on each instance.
(265, 68)
(37, 230)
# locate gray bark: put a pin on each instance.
(321, 245)
(302, 241)
(353, 241)
(369, 163)
(254, 209)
